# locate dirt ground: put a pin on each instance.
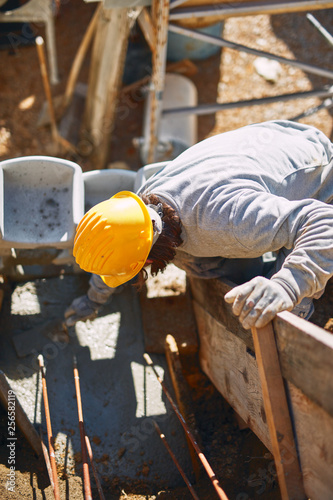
(244, 466)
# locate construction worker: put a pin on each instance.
(215, 211)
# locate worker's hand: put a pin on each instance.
(258, 301)
(81, 309)
(87, 306)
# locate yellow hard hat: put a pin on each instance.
(114, 238)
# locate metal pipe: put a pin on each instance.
(211, 474)
(86, 477)
(327, 104)
(177, 464)
(221, 42)
(49, 430)
(328, 37)
(207, 109)
(176, 3)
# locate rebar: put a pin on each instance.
(177, 464)
(49, 430)
(94, 469)
(85, 466)
(211, 474)
(46, 458)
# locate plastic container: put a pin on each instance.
(41, 202)
(145, 172)
(176, 132)
(99, 185)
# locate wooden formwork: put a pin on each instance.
(305, 354)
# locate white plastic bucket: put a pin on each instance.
(99, 185)
(176, 132)
(41, 202)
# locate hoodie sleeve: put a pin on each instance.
(264, 222)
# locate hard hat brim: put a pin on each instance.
(114, 238)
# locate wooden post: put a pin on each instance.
(160, 16)
(277, 414)
(106, 71)
(79, 58)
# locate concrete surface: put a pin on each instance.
(120, 394)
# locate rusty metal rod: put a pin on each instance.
(211, 474)
(93, 466)
(85, 466)
(49, 430)
(46, 85)
(46, 458)
(57, 138)
(177, 464)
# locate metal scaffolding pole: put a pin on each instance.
(208, 109)
(221, 42)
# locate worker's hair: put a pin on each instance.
(164, 249)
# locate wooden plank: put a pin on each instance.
(78, 59)
(209, 294)
(105, 76)
(305, 350)
(277, 414)
(147, 27)
(233, 370)
(314, 431)
(207, 10)
(306, 357)
(270, 3)
(161, 20)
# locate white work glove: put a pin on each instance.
(87, 306)
(258, 301)
(81, 309)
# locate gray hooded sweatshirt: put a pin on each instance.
(261, 188)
